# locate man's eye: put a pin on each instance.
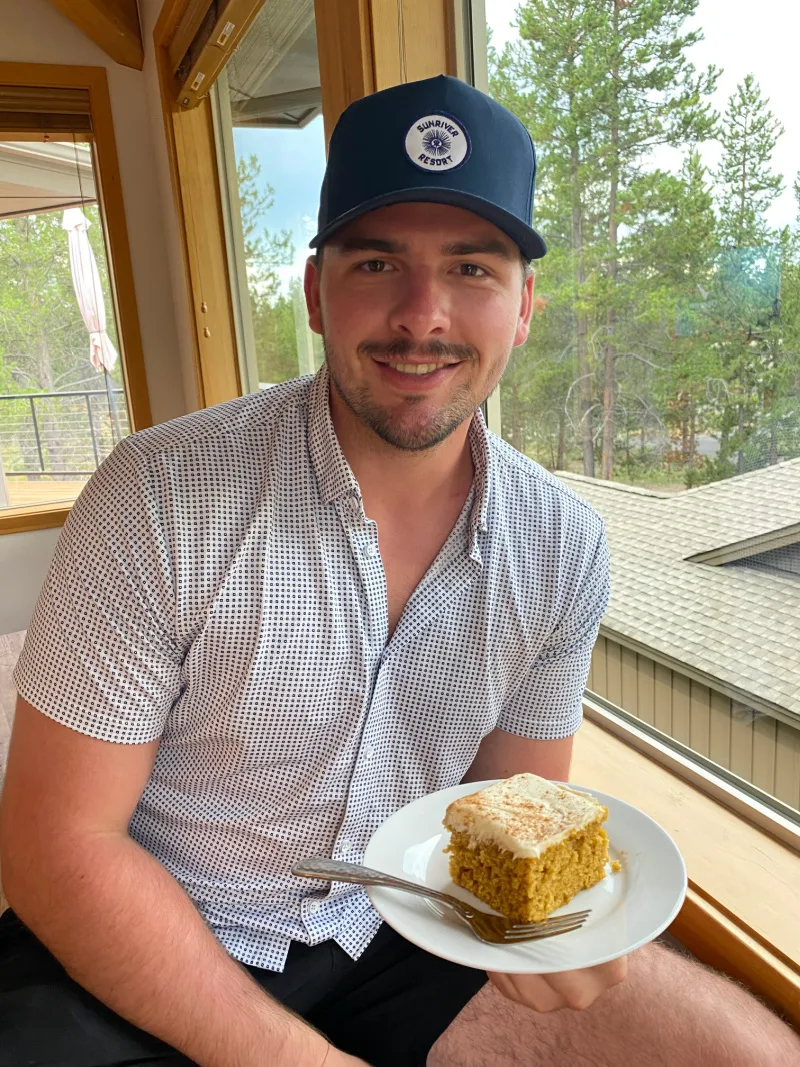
(472, 270)
(374, 266)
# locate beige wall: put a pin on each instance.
(34, 32)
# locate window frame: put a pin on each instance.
(120, 268)
(720, 922)
(760, 809)
(364, 46)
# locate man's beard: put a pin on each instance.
(391, 429)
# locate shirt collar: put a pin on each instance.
(482, 461)
(336, 479)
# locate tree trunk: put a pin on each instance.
(51, 433)
(584, 365)
(562, 420)
(692, 437)
(740, 432)
(769, 396)
(517, 437)
(773, 443)
(609, 396)
(610, 360)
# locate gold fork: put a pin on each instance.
(493, 929)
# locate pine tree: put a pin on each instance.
(651, 95)
(747, 186)
(668, 260)
(599, 84)
(749, 271)
(272, 310)
(547, 79)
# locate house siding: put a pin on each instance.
(754, 746)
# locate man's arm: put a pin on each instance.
(501, 755)
(119, 923)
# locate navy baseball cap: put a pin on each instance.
(438, 141)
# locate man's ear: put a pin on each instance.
(525, 311)
(311, 288)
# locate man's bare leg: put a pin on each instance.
(670, 1012)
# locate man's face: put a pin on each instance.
(419, 306)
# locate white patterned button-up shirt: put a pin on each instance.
(219, 586)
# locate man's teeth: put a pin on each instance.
(417, 368)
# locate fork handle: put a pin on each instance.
(338, 871)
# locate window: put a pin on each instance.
(661, 379)
(70, 376)
(267, 106)
(62, 397)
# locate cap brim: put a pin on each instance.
(531, 244)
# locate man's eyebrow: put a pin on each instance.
(492, 247)
(366, 244)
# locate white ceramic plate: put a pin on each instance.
(629, 907)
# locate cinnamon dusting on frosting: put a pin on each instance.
(524, 814)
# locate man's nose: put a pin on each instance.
(421, 307)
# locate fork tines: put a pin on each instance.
(553, 921)
(562, 924)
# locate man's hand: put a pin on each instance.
(566, 989)
(341, 1059)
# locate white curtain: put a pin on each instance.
(88, 290)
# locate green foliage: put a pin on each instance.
(272, 311)
(746, 184)
(44, 345)
(667, 308)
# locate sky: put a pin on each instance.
(742, 38)
(293, 161)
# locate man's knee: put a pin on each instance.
(711, 1017)
(670, 1012)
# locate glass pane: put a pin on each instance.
(661, 379)
(272, 159)
(62, 398)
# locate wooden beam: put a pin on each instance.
(344, 47)
(195, 183)
(720, 942)
(113, 25)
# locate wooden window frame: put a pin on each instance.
(734, 919)
(120, 269)
(364, 45)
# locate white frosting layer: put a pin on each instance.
(524, 814)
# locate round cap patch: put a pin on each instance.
(437, 142)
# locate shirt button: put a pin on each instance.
(346, 845)
(369, 752)
(369, 549)
(314, 907)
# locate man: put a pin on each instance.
(271, 624)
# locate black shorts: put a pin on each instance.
(388, 1007)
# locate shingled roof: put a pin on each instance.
(732, 624)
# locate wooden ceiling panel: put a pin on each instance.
(113, 25)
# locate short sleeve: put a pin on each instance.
(548, 705)
(100, 655)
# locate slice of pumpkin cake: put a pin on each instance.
(525, 845)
